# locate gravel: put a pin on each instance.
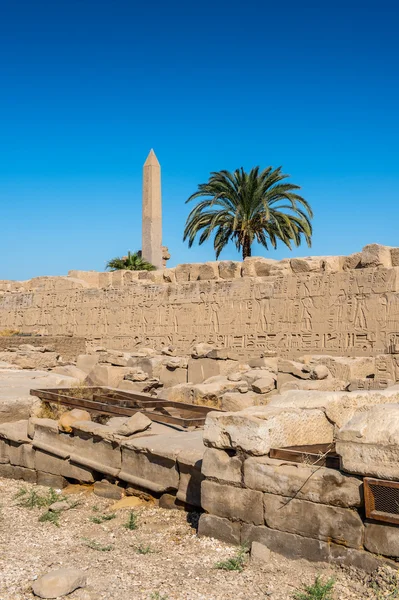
(180, 566)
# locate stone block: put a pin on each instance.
(352, 261)
(50, 480)
(49, 463)
(298, 547)
(326, 385)
(235, 401)
(229, 269)
(94, 451)
(170, 377)
(369, 442)
(22, 455)
(152, 365)
(48, 438)
(204, 271)
(264, 385)
(256, 430)
(260, 553)
(182, 272)
(200, 369)
(105, 489)
(375, 255)
(232, 502)
(395, 257)
(267, 364)
(382, 539)
(71, 371)
(87, 362)
(306, 265)
(4, 454)
(107, 375)
(340, 525)
(219, 465)
(15, 431)
(191, 477)
(14, 472)
(304, 482)
(220, 529)
(256, 266)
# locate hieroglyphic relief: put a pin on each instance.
(354, 312)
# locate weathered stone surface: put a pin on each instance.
(382, 539)
(341, 525)
(30, 359)
(219, 465)
(201, 350)
(264, 385)
(59, 583)
(69, 417)
(170, 377)
(59, 506)
(200, 369)
(94, 448)
(107, 375)
(293, 368)
(49, 463)
(22, 455)
(87, 362)
(71, 371)
(305, 265)
(256, 430)
(326, 385)
(304, 482)
(152, 365)
(50, 480)
(105, 489)
(267, 364)
(320, 372)
(229, 269)
(220, 529)
(369, 442)
(191, 476)
(47, 437)
(14, 472)
(232, 502)
(260, 553)
(375, 255)
(256, 266)
(16, 431)
(210, 392)
(235, 401)
(299, 547)
(346, 368)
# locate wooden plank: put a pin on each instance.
(321, 455)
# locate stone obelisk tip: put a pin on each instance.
(152, 211)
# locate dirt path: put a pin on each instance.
(177, 566)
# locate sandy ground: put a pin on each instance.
(180, 566)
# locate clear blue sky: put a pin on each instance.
(89, 86)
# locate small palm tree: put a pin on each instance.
(131, 262)
(244, 207)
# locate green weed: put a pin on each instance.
(158, 596)
(142, 549)
(32, 499)
(132, 521)
(317, 591)
(96, 545)
(236, 563)
(50, 517)
(102, 518)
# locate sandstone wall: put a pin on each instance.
(66, 346)
(319, 305)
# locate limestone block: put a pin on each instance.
(229, 269)
(87, 362)
(170, 377)
(220, 529)
(15, 431)
(369, 442)
(264, 385)
(281, 267)
(210, 392)
(176, 362)
(49, 463)
(201, 350)
(4, 454)
(232, 502)
(320, 372)
(135, 424)
(14, 472)
(189, 465)
(69, 417)
(21, 455)
(260, 553)
(235, 401)
(178, 393)
(395, 257)
(325, 385)
(59, 583)
(293, 368)
(30, 360)
(107, 375)
(50, 480)
(305, 265)
(151, 365)
(375, 255)
(219, 465)
(182, 272)
(256, 266)
(304, 482)
(332, 264)
(253, 375)
(346, 368)
(47, 437)
(353, 261)
(71, 371)
(382, 539)
(94, 448)
(340, 525)
(298, 547)
(256, 430)
(204, 271)
(267, 364)
(339, 407)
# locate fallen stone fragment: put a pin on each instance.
(66, 420)
(135, 424)
(59, 506)
(105, 489)
(59, 583)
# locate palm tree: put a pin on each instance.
(131, 262)
(244, 207)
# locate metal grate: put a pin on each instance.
(381, 500)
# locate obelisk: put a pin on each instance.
(151, 247)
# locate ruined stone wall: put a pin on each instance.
(320, 305)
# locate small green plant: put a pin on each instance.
(132, 523)
(32, 499)
(142, 549)
(96, 545)
(95, 508)
(50, 517)
(158, 596)
(236, 563)
(317, 591)
(102, 518)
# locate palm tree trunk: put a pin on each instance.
(246, 248)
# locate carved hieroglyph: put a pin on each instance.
(353, 312)
(152, 212)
